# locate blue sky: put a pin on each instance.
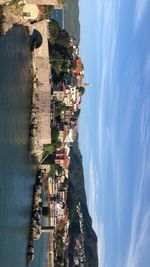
(115, 127)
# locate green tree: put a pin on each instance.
(14, 2)
(46, 211)
(77, 113)
(58, 144)
(48, 149)
(64, 184)
(52, 170)
(74, 64)
(63, 38)
(54, 30)
(59, 107)
(81, 90)
(54, 134)
(59, 169)
(62, 2)
(48, 10)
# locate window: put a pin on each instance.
(26, 14)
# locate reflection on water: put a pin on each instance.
(16, 170)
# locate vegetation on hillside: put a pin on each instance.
(71, 19)
(59, 50)
(76, 194)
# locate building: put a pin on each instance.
(73, 93)
(61, 158)
(32, 12)
(55, 3)
(58, 92)
(67, 100)
(79, 69)
(61, 136)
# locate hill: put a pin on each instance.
(76, 195)
(71, 19)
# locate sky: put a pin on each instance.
(114, 127)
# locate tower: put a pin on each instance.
(86, 84)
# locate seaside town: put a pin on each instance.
(74, 133)
(58, 87)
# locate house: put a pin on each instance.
(61, 158)
(79, 67)
(69, 137)
(70, 79)
(73, 93)
(66, 116)
(55, 3)
(61, 136)
(58, 92)
(79, 80)
(68, 99)
(32, 12)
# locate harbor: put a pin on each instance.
(36, 228)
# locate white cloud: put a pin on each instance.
(147, 69)
(101, 245)
(139, 239)
(141, 6)
(108, 35)
(107, 56)
(92, 191)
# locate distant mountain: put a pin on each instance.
(76, 195)
(71, 19)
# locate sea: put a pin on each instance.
(17, 171)
(58, 15)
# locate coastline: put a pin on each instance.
(6, 23)
(35, 148)
(1, 21)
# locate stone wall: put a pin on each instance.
(43, 71)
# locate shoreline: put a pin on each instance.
(35, 148)
(1, 21)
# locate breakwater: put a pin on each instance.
(36, 213)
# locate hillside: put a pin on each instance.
(76, 195)
(71, 18)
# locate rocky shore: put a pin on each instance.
(36, 213)
(35, 149)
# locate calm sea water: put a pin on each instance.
(57, 14)
(16, 169)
